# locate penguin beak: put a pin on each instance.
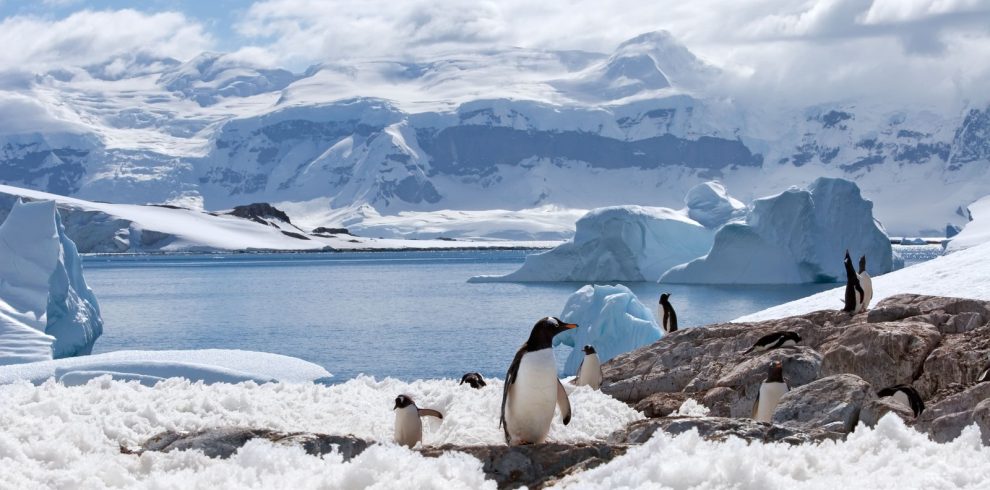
(569, 325)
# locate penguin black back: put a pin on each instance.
(775, 340)
(669, 315)
(914, 399)
(852, 285)
(474, 380)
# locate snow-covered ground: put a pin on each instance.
(962, 274)
(976, 231)
(196, 230)
(70, 437)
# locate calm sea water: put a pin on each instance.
(401, 314)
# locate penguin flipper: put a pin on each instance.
(563, 403)
(756, 406)
(429, 412)
(510, 378)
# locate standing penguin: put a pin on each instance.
(532, 388)
(667, 314)
(866, 283)
(590, 370)
(854, 292)
(770, 392)
(905, 395)
(408, 427)
(474, 380)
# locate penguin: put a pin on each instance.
(474, 380)
(770, 392)
(408, 427)
(984, 376)
(866, 282)
(905, 395)
(590, 370)
(774, 340)
(531, 387)
(854, 292)
(666, 312)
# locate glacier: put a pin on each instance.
(797, 236)
(46, 309)
(610, 318)
(618, 243)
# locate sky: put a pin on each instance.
(926, 51)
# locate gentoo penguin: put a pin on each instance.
(905, 395)
(408, 427)
(866, 283)
(854, 292)
(474, 379)
(774, 340)
(770, 392)
(666, 312)
(590, 370)
(984, 376)
(532, 388)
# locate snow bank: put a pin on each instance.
(46, 309)
(619, 243)
(708, 203)
(975, 232)
(963, 275)
(609, 318)
(890, 456)
(68, 437)
(149, 367)
(798, 236)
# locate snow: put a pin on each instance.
(148, 367)
(976, 231)
(889, 456)
(962, 274)
(71, 436)
(619, 243)
(797, 236)
(610, 318)
(711, 205)
(46, 309)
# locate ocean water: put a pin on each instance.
(407, 315)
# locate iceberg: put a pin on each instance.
(797, 236)
(708, 203)
(46, 309)
(609, 318)
(617, 243)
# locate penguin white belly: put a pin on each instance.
(408, 426)
(866, 283)
(788, 343)
(770, 394)
(532, 398)
(902, 398)
(591, 372)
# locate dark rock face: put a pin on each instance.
(718, 429)
(323, 230)
(260, 211)
(225, 441)
(938, 345)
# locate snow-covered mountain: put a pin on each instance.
(502, 129)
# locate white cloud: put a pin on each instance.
(92, 36)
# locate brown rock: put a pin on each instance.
(883, 354)
(716, 429)
(832, 403)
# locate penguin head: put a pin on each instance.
(847, 256)
(589, 350)
(776, 372)
(543, 332)
(664, 298)
(474, 380)
(793, 336)
(403, 401)
(862, 264)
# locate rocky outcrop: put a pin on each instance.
(260, 212)
(945, 419)
(223, 442)
(938, 345)
(718, 429)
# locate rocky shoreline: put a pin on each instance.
(938, 345)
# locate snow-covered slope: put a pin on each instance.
(46, 309)
(797, 236)
(962, 274)
(497, 129)
(975, 232)
(610, 318)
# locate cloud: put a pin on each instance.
(86, 37)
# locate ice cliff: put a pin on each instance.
(609, 318)
(46, 309)
(797, 236)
